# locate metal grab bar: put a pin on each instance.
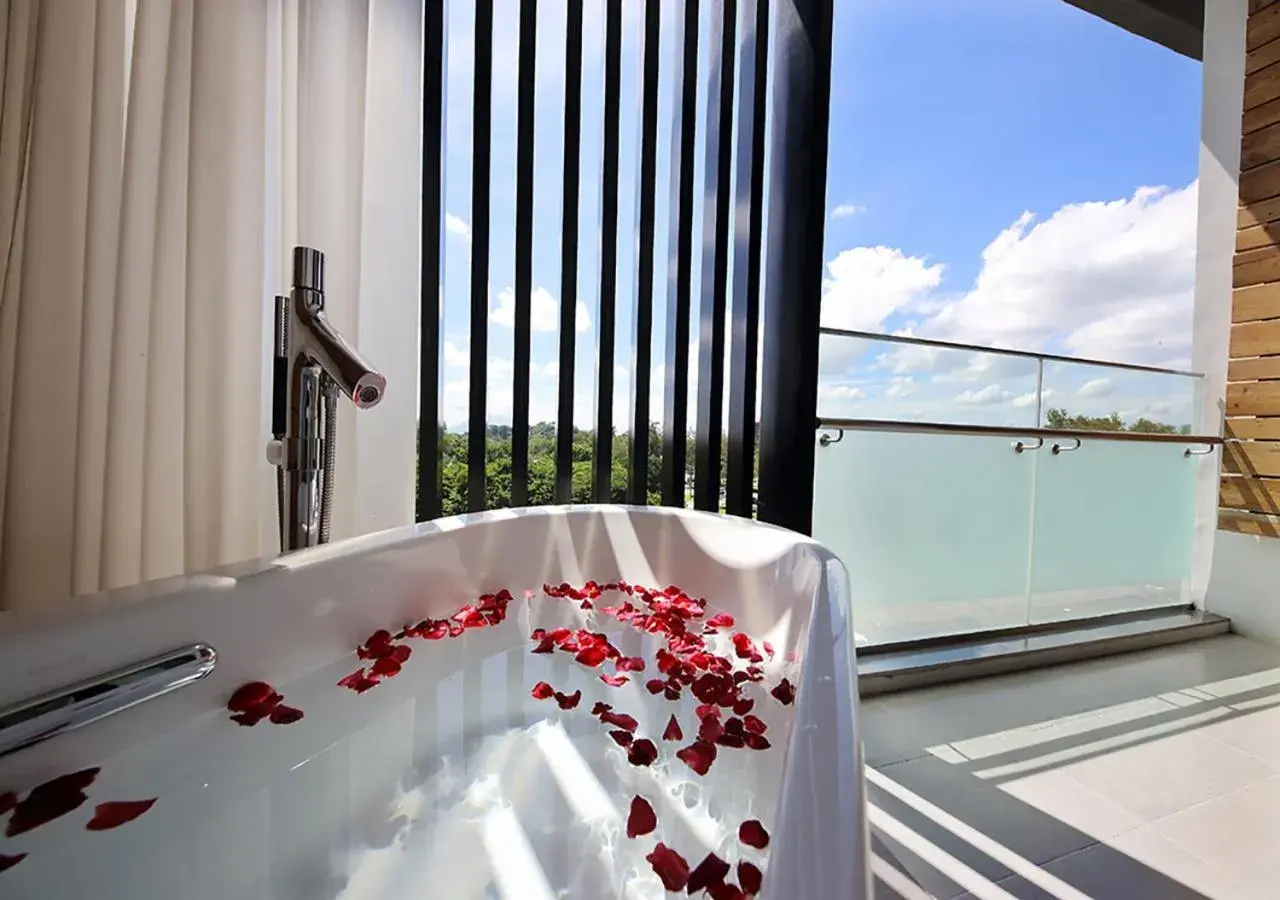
(895, 425)
(1059, 448)
(76, 705)
(1193, 452)
(1020, 447)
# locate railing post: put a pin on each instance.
(793, 296)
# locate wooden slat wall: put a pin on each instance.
(1250, 492)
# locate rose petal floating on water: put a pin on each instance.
(401, 653)
(117, 812)
(673, 732)
(358, 681)
(670, 866)
(721, 620)
(568, 701)
(655, 685)
(743, 706)
(285, 715)
(749, 877)
(752, 833)
(621, 738)
(614, 680)
(784, 692)
(592, 656)
(754, 725)
(710, 871)
(726, 891)
(642, 752)
(8, 862)
(642, 819)
(386, 667)
(698, 756)
(757, 742)
(630, 664)
(542, 691)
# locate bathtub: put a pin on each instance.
(174, 766)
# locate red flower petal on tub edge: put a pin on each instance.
(784, 692)
(285, 715)
(249, 696)
(642, 752)
(8, 862)
(752, 833)
(711, 871)
(673, 731)
(50, 800)
(542, 691)
(698, 756)
(357, 681)
(115, 813)
(750, 877)
(386, 667)
(642, 819)
(619, 720)
(669, 866)
(614, 680)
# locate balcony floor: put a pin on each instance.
(1150, 775)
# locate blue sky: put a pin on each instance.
(1006, 172)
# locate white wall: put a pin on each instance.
(1242, 571)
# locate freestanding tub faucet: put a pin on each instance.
(312, 362)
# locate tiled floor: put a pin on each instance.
(1153, 775)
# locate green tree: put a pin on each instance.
(1061, 419)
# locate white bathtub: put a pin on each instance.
(449, 780)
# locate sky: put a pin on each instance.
(1009, 173)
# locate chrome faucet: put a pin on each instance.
(312, 363)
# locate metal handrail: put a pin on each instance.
(1001, 351)
(896, 425)
(38, 719)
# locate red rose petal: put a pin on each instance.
(285, 715)
(249, 719)
(655, 685)
(754, 725)
(117, 813)
(8, 800)
(386, 667)
(710, 729)
(744, 706)
(401, 652)
(711, 870)
(600, 708)
(8, 862)
(642, 819)
(749, 877)
(357, 681)
(726, 891)
(673, 732)
(619, 720)
(757, 742)
(670, 867)
(734, 741)
(733, 725)
(592, 656)
(721, 620)
(614, 680)
(247, 696)
(542, 691)
(752, 833)
(379, 638)
(698, 756)
(50, 800)
(707, 710)
(630, 664)
(621, 738)
(768, 649)
(568, 701)
(784, 692)
(642, 752)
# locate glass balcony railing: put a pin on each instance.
(968, 490)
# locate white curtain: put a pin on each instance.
(178, 149)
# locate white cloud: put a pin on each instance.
(901, 386)
(457, 225)
(986, 396)
(1106, 280)
(544, 313)
(1025, 401)
(841, 392)
(845, 210)
(866, 284)
(1095, 387)
(454, 355)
